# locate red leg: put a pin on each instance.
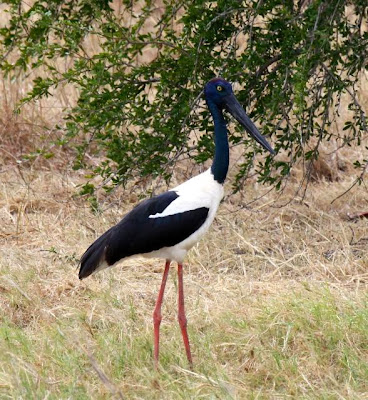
(181, 315)
(157, 313)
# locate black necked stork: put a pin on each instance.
(168, 225)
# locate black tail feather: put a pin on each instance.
(94, 256)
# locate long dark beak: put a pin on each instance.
(237, 111)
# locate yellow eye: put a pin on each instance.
(219, 88)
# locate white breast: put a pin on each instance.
(200, 191)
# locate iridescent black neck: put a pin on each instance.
(220, 164)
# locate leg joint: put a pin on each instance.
(182, 320)
(157, 317)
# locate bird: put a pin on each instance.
(168, 225)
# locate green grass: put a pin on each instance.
(308, 345)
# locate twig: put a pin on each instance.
(357, 180)
(105, 380)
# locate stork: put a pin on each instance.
(168, 225)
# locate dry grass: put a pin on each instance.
(276, 300)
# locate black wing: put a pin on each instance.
(136, 233)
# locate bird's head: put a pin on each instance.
(219, 92)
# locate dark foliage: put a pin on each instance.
(293, 61)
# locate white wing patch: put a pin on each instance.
(182, 204)
(200, 191)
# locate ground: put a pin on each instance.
(276, 298)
